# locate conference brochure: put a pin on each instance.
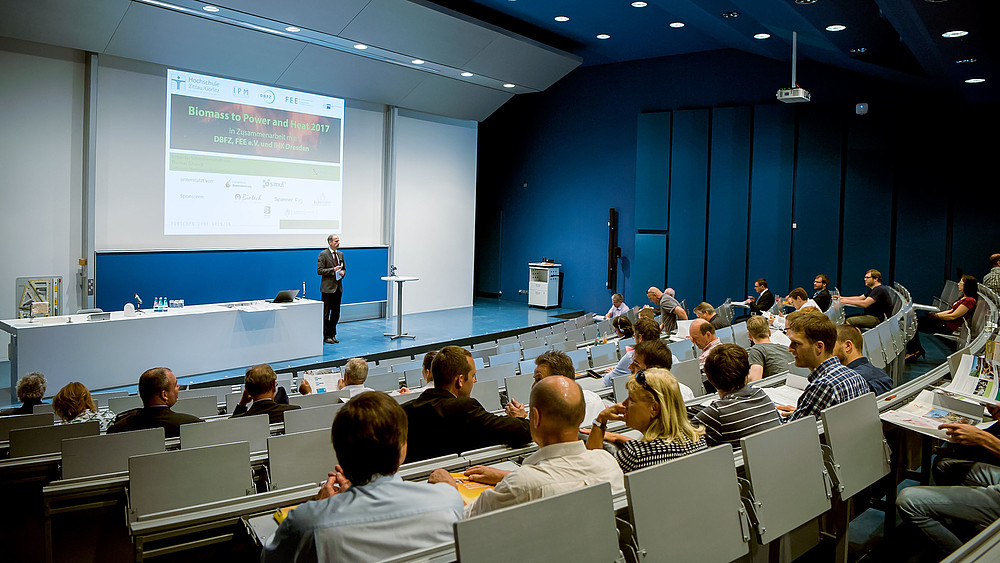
(976, 379)
(930, 410)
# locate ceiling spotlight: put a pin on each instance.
(212, 9)
(639, 4)
(965, 61)
(677, 24)
(730, 14)
(955, 33)
(604, 36)
(467, 74)
(417, 61)
(292, 29)
(562, 18)
(858, 50)
(974, 80)
(360, 46)
(805, 1)
(836, 27)
(762, 36)
(508, 85)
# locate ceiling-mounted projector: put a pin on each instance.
(795, 94)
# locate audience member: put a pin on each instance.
(446, 420)
(741, 409)
(558, 363)
(877, 302)
(968, 492)
(766, 358)
(73, 404)
(425, 372)
(562, 462)
(654, 407)
(992, 278)
(158, 390)
(260, 385)
(30, 390)
(365, 511)
(355, 374)
(764, 300)
(821, 294)
(623, 326)
(848, 350)
(947, 321)
(618, 307)
(813, 338)
(706, 311)
(670, 308)
(797, 298)
(645, 329)
(703, 336)
(656, 354)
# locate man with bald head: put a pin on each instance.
(562, 462)
(670, 308)
(703, 335)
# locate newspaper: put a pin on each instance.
(927, 412)
(977, 379)
(789, 393)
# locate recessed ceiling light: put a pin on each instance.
(508, 85)
(955, 33)
(762, 36)
(965, 61)
(467, 74)
(292, 29)
(677, 24)
(730, 14)
(805, 1)
(562, 18)
(974, 80)
(417, 61)
(603, 36)
(212, 9)
(858, 50)
(836, 27)
(360, 46)
(639, 4)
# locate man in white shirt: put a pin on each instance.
(797, 298)
(355, 374)
(618, 306)
(562, 463)
(558, 363)
(703, 336)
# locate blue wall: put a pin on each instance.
(216, 276)
(709, 174)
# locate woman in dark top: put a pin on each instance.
(948, 321)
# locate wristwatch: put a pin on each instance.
(601, 425)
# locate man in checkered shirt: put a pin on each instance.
(813, 337)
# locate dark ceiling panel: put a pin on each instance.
(444, 96)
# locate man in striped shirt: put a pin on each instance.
(741, 410)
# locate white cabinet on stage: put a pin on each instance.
(543, 284)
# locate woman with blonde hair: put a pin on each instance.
(654, 407)
(73, 404)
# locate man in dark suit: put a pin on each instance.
(822, 296)
(158, 390)
(330, 265)
(260, 384)
(765, 299)
(446, 420)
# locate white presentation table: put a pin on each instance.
(189, 340)
(400, 280)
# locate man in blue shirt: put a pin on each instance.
(365, 511)
(813, 337)
(848, 351)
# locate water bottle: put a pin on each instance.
(156, 305)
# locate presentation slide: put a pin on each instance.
(248, 159)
